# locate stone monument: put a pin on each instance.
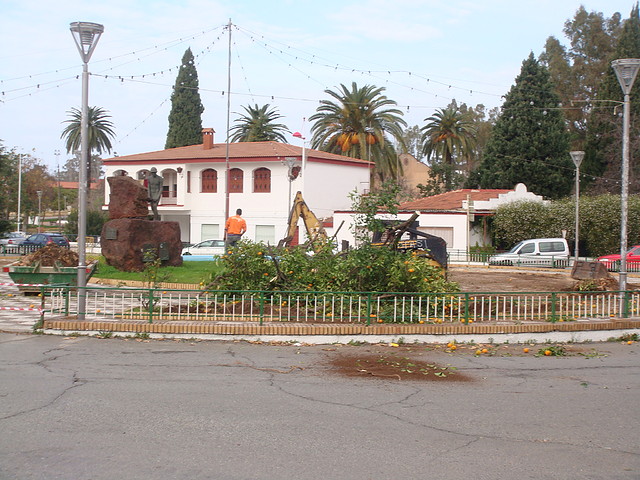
(129, 239)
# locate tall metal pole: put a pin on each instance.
(577, 157)
(19, 190)
(624, 195)
(82, 194)
(86, 36)
(57, 154)
(626, 70)
(228, 168)
(39, 192)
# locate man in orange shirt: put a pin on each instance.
(234, 229)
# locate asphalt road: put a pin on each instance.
(88, 408)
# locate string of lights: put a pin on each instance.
(285, 50)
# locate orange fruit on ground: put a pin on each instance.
(484, 350)
(547, 352)
(525, 350)
(629, 342)
(453, 347)
(478, 352)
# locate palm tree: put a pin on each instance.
(258, 125)
(100, 133)
(447, 139)
(100, 130)
(357, 124)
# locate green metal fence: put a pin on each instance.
(154, 305)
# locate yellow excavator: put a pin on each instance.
(430, 247)
(315, 231)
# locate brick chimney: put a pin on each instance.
(207, 138)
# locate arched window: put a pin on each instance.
(235, 180)
(209, 181)
(262, 180)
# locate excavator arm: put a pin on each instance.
(314, 227)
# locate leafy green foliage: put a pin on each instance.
(100, 130)
(599, 222)
(366, 220)
(603, 148)
(357, 124)
(448, 139)
(552, 351)
(255, 266)
(185, 118)
(258, 125)
(577, 70)
(95, 220)
(530, 143)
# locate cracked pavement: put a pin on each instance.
(89, 408)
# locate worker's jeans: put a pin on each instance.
(232, 239)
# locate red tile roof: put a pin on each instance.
(74, 185)
(451, 200)
(238, 151)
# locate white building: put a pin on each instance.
(264, 177)
(459, 216)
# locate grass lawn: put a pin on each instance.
(188, 272)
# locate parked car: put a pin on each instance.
(535, 252)
(633, 259)
(13, 238)
(206, 247)
(44, 239)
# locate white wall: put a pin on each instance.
(326, 188)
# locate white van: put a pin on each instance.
(547, 252)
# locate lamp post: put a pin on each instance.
(290, 162)
(19, 188)
(626, 70)
(86, 36)
(304, 159)
(39, 192)
(577, 157)
(57, 154)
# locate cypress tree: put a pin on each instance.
(603, 149)
(185, 118)
(530, 142)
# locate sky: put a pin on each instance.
(284, 53)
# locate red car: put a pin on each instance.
(613, 261)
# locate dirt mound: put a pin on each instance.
(597, 285)
(50, 256)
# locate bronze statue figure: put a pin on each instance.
(154, 185)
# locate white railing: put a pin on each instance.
(322, 307)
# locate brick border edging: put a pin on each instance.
(198, 328)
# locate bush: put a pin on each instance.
(255, 266)
(599, 222)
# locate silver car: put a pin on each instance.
(206, 247)
(13, 238)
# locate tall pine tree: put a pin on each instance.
(185, 118)
(530, 142)
(603, 149)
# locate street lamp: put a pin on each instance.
(290, 163)
(304, 159)
(577, 157)
(86, 36)
(626, 70)
(19, 189)
(39, 192)
(57, 154)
